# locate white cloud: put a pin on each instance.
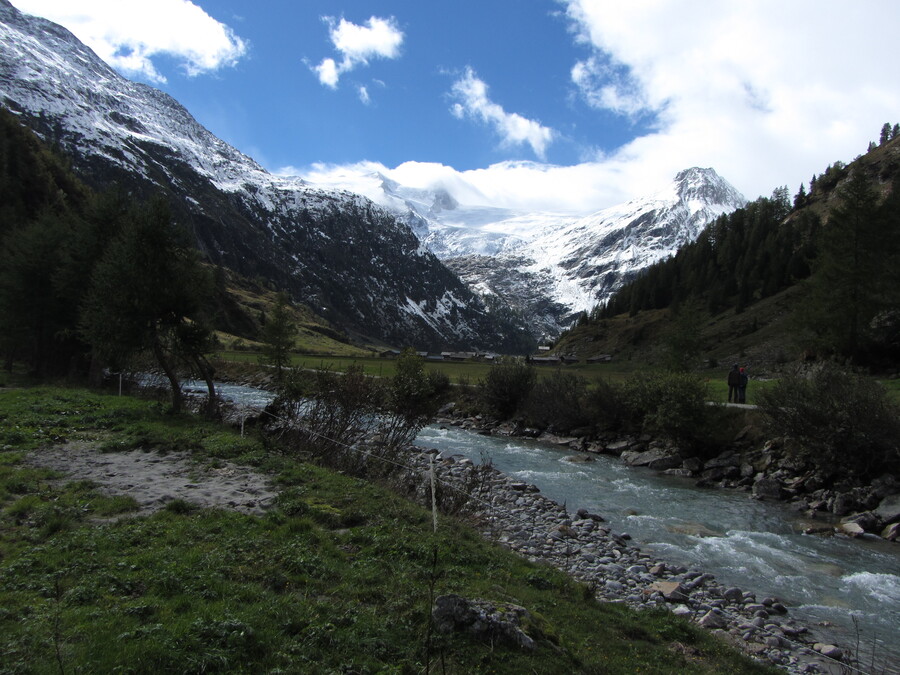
(767, 92)
(527, 186)
(378, 38)
(471, 94)
(128, 35)
(364, 95)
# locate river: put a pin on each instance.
(757, 546)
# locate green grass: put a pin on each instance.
(893, 389)
(336, 578)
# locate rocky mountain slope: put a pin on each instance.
(551, 267)
(348, 259)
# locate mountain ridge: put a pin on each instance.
(347, 258)
(551, 267)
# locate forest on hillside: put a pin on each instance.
(90, 280)
(840, 242)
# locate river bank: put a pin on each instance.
(516, 515)
(764, 468)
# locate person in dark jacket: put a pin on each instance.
(742, 386)
(734, 383)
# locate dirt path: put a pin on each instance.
(154, 479)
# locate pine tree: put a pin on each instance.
(278, 334)
(848, 271)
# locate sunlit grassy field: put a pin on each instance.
(338, 577)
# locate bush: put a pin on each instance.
(843, 422)
(329, 410)
(604, 405)
(557, 400)
(412, 398)
(507, 387)
(671, 404)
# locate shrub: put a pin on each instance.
(557, 400)
(412, 398)
(842, 421)
(671, 404)
(506, 387)
(328, 409)
(604, 405)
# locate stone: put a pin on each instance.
(768, 488)
(684, 473)
(891, 532)
(866, 520)
(843, 504)
(734, 594)
(726, 459)
(712, 620)
(672, 591)
(852, 529)
(889, 510)
(829, 651)
(647, 457)
(692, 464)
(485, 619)
(617, 446)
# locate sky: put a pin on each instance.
(555, 105)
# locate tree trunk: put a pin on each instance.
(177, 396)
(207, 372)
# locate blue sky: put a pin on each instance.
(564, 105)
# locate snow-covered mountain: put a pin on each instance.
(352, 261)
(551, 267)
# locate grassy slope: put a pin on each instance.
(248, 299)
(335, 579)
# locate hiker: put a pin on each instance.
(734, 383)
(742, 386)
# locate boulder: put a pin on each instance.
(491, 621)
(726, 459)
(712, 620)
(889, 509)
(692, 464)
(866, 520)
(852, 529)
(580, 459)
(617, 447)
(665, 463)
(768, 488)
(891, 532)
(648, 457)
(672, 591)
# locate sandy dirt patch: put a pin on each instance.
(154, 479)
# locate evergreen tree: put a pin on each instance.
(847, 284)
(278, 334)
(885, 133)
(800, 197)
(146, 296)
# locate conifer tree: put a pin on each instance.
(278, 334)
(848, 276)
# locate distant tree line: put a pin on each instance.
(90, 280)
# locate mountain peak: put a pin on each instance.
(703, 187)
